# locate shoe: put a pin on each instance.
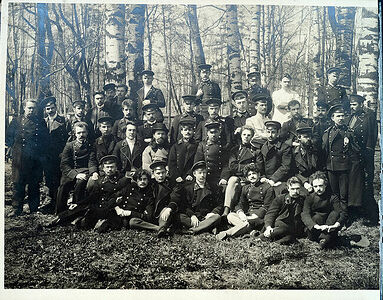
(254, 233)
(162, 232)
(102, 226)
(322, 244)
(221, 236)
(53, 223)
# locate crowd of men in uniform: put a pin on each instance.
(266, 171)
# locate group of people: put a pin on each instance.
(266, 171)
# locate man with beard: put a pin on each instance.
(364, 126)
(79, 116)
(149, 92)
(240, 156)
(283, 222)
(28, 137)
(129, 151)
(58, 137)
(158, 149)
(332, 94)
(257, 122)
(129, 111)
(323, 213)
(78, 163)
(206, 89)
(98, 111)
(189, 104)
(255, 88)
(289, 128)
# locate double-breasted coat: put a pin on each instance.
(333, 95)
(240, 156)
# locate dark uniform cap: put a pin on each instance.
(322, 104)
(158, 163)
(304, 130)
(204, 66)
(149, 106)
(192, 98)
(159, 127)
(213, 101)
(48, 100)
(357, 98)
(256, 73)
(273, 123)
(109, 86)
(212, 124)
(260, 97)
(199, 165)
(105, 119)
(98, 93)
(108, 158)
(334, 69)
(78, 102)
(244, 93)
(149, 72)
(335, 108)
(187, 121)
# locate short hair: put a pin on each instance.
(250, 167)
(293, 103)
(80, 125)
(30, 101)
(123, 85)
(139, 173)
(293, 180)
(247, 127)
(286, 75)
(127, 103)
(184, 125)
(318, 175)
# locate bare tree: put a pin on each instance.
(254, 39)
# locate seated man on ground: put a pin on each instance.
(283, 222)
(323, 213)
(253, 204)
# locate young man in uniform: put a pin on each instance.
(189, 104)
(255, 88)
(78, 163)
(144, 131)
(98, 111)
(241, 114)
(79, 116)
(105, 144)
(129, 111)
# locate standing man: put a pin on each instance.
(129, 111)
(281, 99)
(58, 137)
(149, 92)
(255, 88)
(98, 111)
(241, 114)
(206, 89)
(111, 101)
(28, 136)
(121, 93)
(332, 93)
(79, 116)
(363, 124)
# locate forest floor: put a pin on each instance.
(63, 257)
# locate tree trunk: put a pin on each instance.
(135, 46)
(149, 40)
(254, 39)
(342, 22)
(368, 53)
(114, 43)
(317, 55)
(263, 48)
(233, 49)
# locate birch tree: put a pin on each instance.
(114, 43)
(254, 39)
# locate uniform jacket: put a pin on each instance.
(227, 131)
(104, 146)
(240, 119)
(28, 139)
(58, 136)
(337, 153)
(181, 159)
(333, 95)
(307, 164)
(154, 95)
(240, 156)
(77, 159)
(275, 160)
(255, 198)
(210, 89)
(119, 128)
(175, 134)
(289, 128)
(321, 207)
(214, 156)
(144, 131)
(164, 196)
(127, 160)
(72, 119)
(199, 202)
(139, 201)
(284, 210)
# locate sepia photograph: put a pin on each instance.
(191, 146)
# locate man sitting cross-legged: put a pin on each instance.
(200, 207)
(323, 213)
(165, 203)
(252, 207)
(283, 219)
